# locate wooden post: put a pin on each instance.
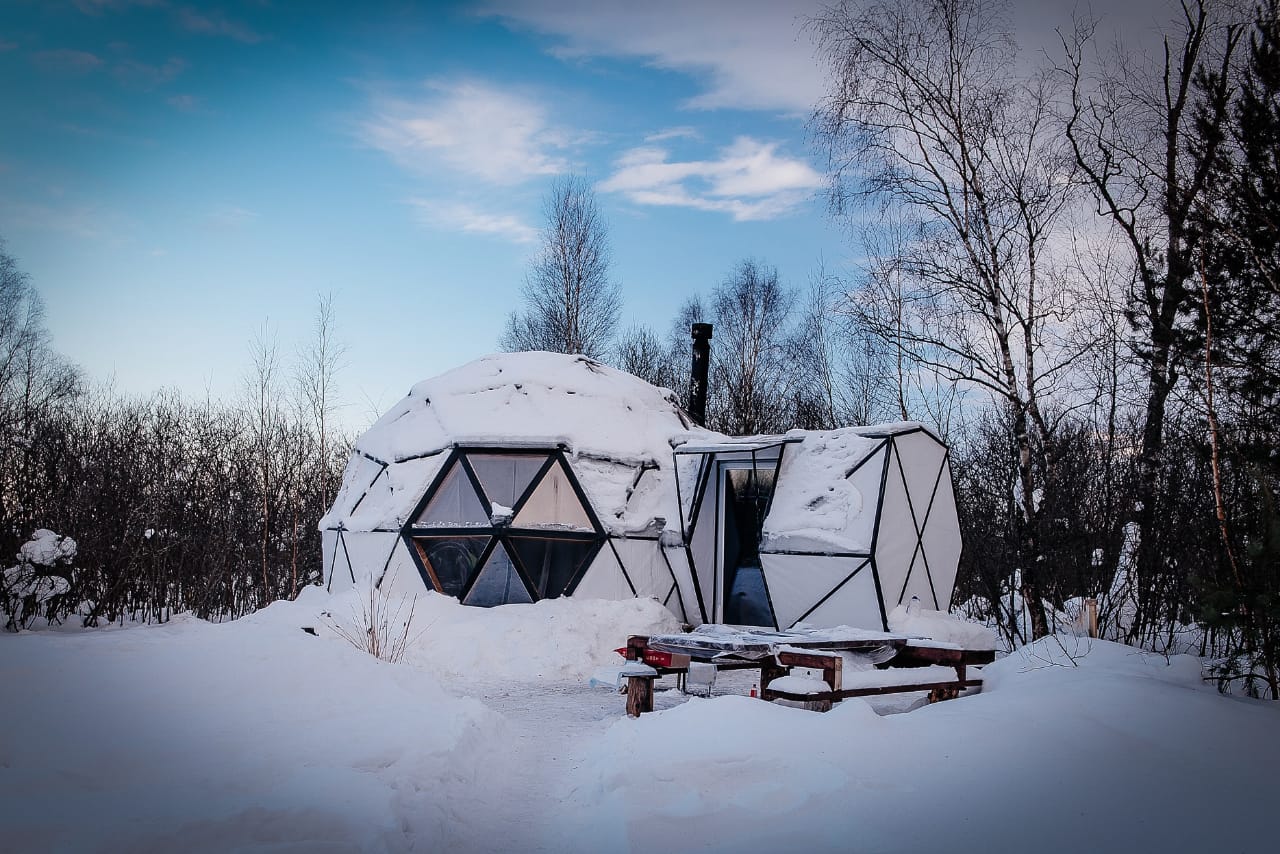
(769, 671)
(1091, 616)
(635, 647)
(639, 695)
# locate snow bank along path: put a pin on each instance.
(254, 736)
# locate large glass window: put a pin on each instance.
(550, 563)
(454, 504)
(525, 561)
(450, 561)
(505, 477)
(498, 583)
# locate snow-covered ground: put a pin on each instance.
(256, 736)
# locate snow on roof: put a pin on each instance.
(820, 502)
(618, 432)
(611, 424)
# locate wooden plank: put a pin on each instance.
(922, 656)
(876, 691)
(814, 660)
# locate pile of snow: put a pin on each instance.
(1124, 752)
(553, 639)
(256, 736)
(917, 622)
(247, 735)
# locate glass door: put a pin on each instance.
(745, 491)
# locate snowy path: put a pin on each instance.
(551, 726)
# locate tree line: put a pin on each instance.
(1072, 269)
(160, 505)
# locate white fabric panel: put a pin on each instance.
(897, 539)
(645, 567)
(603, 579)
(942, 540)
(680, 566)
(921, 456)
(918, 585)
(797, 583)
(553, 504)
(402, 576)
(329, 549)
(854, 604)
(368, 551)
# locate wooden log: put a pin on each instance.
(1091, 616)
(639, 695)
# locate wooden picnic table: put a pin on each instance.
(774, 653)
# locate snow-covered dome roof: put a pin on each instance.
(614, 426)
(539, 398)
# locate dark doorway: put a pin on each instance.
(746, 495)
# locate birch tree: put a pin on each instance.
(923, 115)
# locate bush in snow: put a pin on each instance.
(42, 575)
(380, 627)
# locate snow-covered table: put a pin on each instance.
(854, 662)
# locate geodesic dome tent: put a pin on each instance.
(526, 476)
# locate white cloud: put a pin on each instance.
(457, 216)
(682, 132)
(232, 216)
(473, 127)
(65, 60)
(214, 23)
(750, 54)
(750, 180)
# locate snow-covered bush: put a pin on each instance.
(42, 575)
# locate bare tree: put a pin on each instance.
(263, 398)
(315, 376)
(924, 112)
(751, 309)
(1146, 138)
(571, 306)
(641, 352)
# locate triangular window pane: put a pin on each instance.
(551, 564)
(455, 504)
(553, 504)
(499, 583)
(505, 477)
(450, 561)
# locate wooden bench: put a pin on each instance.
(917, 665)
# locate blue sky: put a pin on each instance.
(174, 175)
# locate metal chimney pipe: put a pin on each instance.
(698, 376)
